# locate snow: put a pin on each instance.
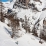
(23, 12)
(5, 39)
(37, 4)
(25, 39)
(9, 4)
(29, 40)
(43, 3)
(43, 15)
(30, 13)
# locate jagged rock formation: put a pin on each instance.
(14, 23)
(1, 12)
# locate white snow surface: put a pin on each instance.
(5, 39)
(25, 40)
(38, 5)
(28, 12)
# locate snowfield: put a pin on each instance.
(25, 40)
(5, 39)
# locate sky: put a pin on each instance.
(4, 0)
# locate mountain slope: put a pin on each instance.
(25, 40)
(5, 39)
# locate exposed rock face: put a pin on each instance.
(25, 2)
(38, 1)
(1, 12)
(14, 23)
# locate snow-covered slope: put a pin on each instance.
(5, 39)
(29, 40)
(38, 5)
(28, 12)
(25, 40)
(9, 4)
(43, 3)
